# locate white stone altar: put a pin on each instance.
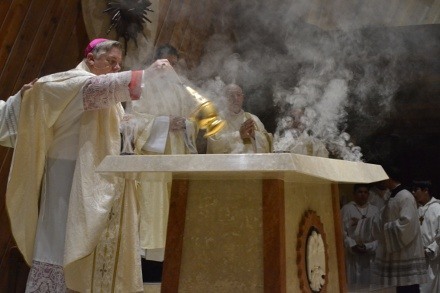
(234, 222)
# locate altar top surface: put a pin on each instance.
(285, 166)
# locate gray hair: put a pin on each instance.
(104, 47)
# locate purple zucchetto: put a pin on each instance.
(92, 45)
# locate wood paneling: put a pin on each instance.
(186, 24)
(37, 50)
(4, 8)
(175, 233)
(22, 45)
(165, 29)
(11, 27)
(198, 31)
(340, 249)
(274, 236)
(37, 37)
(63, 42)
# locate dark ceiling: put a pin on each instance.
(408, 135)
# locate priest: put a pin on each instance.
(160, 122)
(429, 217)
(244, 132)
(358, 255)
(400, 257)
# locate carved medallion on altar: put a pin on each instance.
(312, 255)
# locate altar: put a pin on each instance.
(253, 222)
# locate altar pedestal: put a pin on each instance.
(236, 222)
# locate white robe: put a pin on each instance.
(9, 112)
(430, 225)
(60, 166)
(74, 202)
(299, 142)
(162, 95)
(400, 258)
(357, 265)
(308, 145)
(229, 141)
(378, 197)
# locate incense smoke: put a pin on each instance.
(283, 63)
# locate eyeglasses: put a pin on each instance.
(113, 63)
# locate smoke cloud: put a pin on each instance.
(344, 78)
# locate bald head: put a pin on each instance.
(235, 97)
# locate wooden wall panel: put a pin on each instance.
(5, 235)
(37, 37)
(182, 24)
(11, 27)
(76, 42)
(169, 22)
(22, 45)
(187, 25)
(72, 28)
(198, 31)
(38, 49)
(164, 6)
(4, 8)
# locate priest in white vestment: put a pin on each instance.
(400, 257)
(244, 133)
(68, 123)
(429, 217)
(162, 127)
(295, 138)
(379, 195)
(305, 144)
(358, 255)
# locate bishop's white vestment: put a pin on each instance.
(58, 206)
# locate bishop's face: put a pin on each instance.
(108, 62)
